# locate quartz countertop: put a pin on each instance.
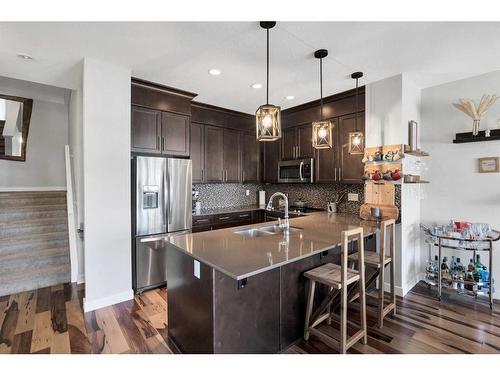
(239, 257)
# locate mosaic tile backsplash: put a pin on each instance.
(316, 195)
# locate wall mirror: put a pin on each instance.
(15, 115)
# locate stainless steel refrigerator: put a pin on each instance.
(162, 208)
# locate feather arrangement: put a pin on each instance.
(476, 112)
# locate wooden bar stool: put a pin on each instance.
(377, 262)
(338, 278)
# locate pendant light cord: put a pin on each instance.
(321, 87)
(267, 79)
(356, 114)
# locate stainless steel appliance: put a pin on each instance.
(296, 171)
(162, 209)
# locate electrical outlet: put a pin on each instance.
(353, 197)
(247, 192)
(197, 269)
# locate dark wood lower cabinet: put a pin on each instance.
(228, 220)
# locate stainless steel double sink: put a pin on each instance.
(268, 230)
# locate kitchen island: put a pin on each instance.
(244, 292)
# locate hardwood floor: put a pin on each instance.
(51, 320)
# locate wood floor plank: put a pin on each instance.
(114, 340)
(60, 343)
(123, 312)
(22, 343)
(43, 300)
(27, 310)
(79, 341)
(7, 330)
(58, 311)
(42, 332)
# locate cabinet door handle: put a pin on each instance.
(202, 221)
(224, 217)
(243, 176)
(202, 175)
(244, 215)
(340, 174)
(222, 175)
(158, 142)
(335, 170)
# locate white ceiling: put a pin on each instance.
(179, 54)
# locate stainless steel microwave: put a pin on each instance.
(296, 171)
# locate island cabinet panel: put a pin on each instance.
(246, 320)
(189, 304)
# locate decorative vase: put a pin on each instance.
(475, 127)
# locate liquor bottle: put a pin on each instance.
(471, 267)
(432, 265)
(445, 269)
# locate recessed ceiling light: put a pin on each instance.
(24, 56)
(289, 97)
(214, 72)
(257, 86)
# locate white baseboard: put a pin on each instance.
(107, 301)
(402, 291)
(32, 188)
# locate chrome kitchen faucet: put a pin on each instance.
(269, 207)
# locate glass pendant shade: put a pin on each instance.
(322, 132)
(356, 143)
(268, 122)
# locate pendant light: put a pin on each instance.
(322, 131)
(268, 116)
(356, 138)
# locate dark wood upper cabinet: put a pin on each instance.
(327, 160)
(146, 130)
(197, 152)
(350, 165)
(250, 158)
(270, 159)
(304, 142)
(232, 156)
(289, 144)
(175, 134)
(297, 143)
(214, 154)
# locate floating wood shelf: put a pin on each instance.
(418, 153)
(468, 137)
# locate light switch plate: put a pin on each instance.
(352, 197)
(197, 269)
